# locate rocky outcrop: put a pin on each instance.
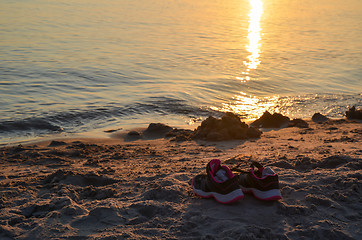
(298, 123)
(354, 113)
(268, 120)
(319, 118)
(229, 127)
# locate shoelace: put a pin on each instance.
(253, 164)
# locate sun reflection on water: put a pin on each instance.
(254, 35)
(249, 106)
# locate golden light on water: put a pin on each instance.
(253, 107)
(254, 35)
(244, 104)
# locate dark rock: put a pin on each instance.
(180, 134)
(229, 127)
(112, 130)
(354, 113)
(157, 130)
(158, 127)
(268, 120)
(298, 123)
(57, 143)
(237, 133)
(319, 118)
(232, 119)
(215, 136)
(133, 135)
(210, 123)
(253, 132)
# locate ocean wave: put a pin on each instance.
(29, 124)
(91, 118)
(77, 118)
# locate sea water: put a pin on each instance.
(88, 66)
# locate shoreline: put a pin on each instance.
(115, 134)
(96, 188)
(108, 132)
(102, 134)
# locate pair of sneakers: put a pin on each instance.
(222, 184)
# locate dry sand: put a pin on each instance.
(111, 189)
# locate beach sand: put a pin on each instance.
(115, 189)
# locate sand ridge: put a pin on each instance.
(111, 189)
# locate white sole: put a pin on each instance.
(222, 198)
(273, 194)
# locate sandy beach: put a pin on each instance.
(115, 189)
